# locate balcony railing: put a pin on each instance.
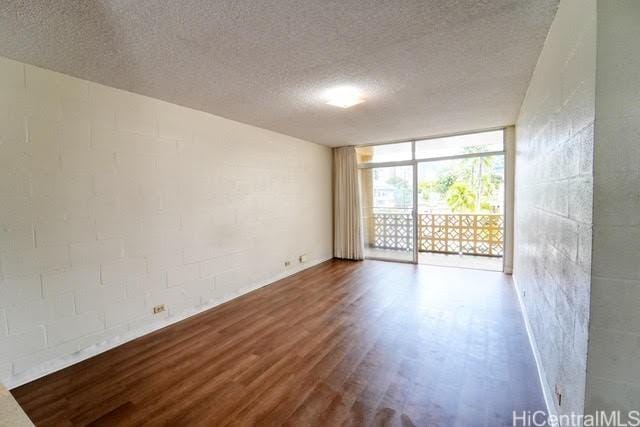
(469, 234)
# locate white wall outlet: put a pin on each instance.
(302, 258)
(159, 309)
(287, 264)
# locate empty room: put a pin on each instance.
(353, 213)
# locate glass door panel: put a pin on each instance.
(460, 212)
(387, 210)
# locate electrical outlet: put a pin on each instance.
(524, 294)
(558, 394)
(302, 258)
(158, 309)
(287, 263)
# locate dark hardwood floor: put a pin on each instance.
(342, 343)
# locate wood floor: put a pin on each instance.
(342, 343)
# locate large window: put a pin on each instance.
(485, 142)
(490, 142)
(385, 153)
(435, 200)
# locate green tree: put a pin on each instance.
(445, 182)
(425, 188)
(461, 198)
(477, 172)
(474, 173)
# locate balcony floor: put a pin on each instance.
(461, 261)
(441, 260)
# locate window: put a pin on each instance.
(423, 200)
(384, 153)
(485, 142)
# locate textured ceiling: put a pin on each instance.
(426, 66)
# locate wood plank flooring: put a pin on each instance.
(342, 343)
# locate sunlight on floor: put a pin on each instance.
(438, 259)
(462, 261)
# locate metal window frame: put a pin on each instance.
(414, 162)
(437, 136)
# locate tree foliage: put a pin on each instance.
(461, 198)
(472, 179)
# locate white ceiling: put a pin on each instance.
(426, 66)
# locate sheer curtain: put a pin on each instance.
(348, 235)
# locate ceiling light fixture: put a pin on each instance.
(343, 96)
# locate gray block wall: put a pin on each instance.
(613, 381)
(553, 202)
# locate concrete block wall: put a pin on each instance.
(553, 202)
(112, 203)
(613, 381)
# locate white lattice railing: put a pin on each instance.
(471, 234)
(393, 231)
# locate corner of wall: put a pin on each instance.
(613, 362)
(553, 204)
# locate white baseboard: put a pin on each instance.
(546, 390)
(54, 365)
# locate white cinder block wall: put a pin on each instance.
(112, 203)
(553, 201)
(613, 381)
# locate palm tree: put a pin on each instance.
(460, 197)
(475, 167)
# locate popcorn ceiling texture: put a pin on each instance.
(427, 67)
(554, 198)
(113, 203)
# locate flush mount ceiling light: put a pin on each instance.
(343, 96)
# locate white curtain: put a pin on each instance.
(348, 239)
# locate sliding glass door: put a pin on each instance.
(460, 212)
(436, 201)
(387, 210)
